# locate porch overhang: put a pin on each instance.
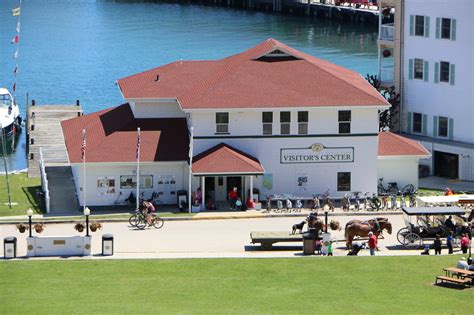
(224, 160)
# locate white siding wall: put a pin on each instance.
(114, 170)
(442, 99)
(321, 176)
(404, 171)
(169, 109)
(321, 121)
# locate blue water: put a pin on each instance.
(78, 49)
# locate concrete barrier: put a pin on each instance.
(58, 246)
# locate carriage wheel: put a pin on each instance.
(412, 240)
(402, 233)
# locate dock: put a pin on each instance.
(44, 131)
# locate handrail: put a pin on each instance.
(44, 181)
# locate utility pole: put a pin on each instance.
(4, 152)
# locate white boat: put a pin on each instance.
(10, 119)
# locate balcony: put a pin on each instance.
(386, 75)
(387, 32)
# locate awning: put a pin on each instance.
(225, 160)
(433, 210)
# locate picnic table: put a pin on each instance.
(461, 273)
(463, 277)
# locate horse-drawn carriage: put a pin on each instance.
(425, 223)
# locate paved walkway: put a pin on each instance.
(223, 238)
(434, 182)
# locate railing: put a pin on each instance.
(386, 74)
(387, 32)
(44, 181)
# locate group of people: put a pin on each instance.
(233, 196)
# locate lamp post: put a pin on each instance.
(87, 212)
(29, 213)
(326, 211)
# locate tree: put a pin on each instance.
(390, 118)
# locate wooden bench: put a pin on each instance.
(463, 282)
(267, 239)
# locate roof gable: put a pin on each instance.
(391, 144)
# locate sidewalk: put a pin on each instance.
(433, 182)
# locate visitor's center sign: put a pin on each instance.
(316, 153)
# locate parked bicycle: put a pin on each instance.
(357, 201)
(345, 202)
(327, 200)
(392, 188)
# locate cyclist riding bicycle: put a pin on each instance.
(148, 210)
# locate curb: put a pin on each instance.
(215, 217)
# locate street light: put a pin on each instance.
(87, 212)
(29, 213)
(326, 211)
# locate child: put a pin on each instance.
(318, 247)
(437, 245)
(330, 248)
(238, 204)
(450, 242)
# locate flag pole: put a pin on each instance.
(138, 168)
(84, 170)
(190, 168)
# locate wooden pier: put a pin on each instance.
(44, 131)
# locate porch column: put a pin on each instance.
(203, 192)
(251, 187)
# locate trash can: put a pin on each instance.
(309, 243)
(9, 247)
(182, 196)
(107, 245)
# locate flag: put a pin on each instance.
(138, 145)
(15, 55)
(15, 71)
(14, 87)
(16, 11)
(83, 146)
(18, 27)
(15, 39)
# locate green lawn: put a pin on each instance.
(357, 285)
(23, 194)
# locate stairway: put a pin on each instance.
(62, 191)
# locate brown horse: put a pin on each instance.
(362, 229)
(471, 216)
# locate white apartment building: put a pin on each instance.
(271, 118)
(436, 79)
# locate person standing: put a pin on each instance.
(233, 196)
(450, 242)
(437, 245)
(330, 248)
(372, 243)
(464, 243)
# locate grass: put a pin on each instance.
(430, 192)
(23, 194)
(328, 285)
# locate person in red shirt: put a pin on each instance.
(233, 196)
(372, 243)
(464, 243)
(250, 203)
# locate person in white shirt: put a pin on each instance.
(462, 264)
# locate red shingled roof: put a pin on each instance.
(224, 159)
(251, 80)
(391, 144)
(112, 137)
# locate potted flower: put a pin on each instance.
(22, 228)
(335, 225)
(39, 228)
(79, 227)
(95, 226)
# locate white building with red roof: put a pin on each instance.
(271, 118)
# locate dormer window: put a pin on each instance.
(222, 122)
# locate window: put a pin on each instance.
(419, 25)
(344, 121)
(442, 127)
(446, 28)
(267, 122)
(444, 71)
(285, 119)
(222, 122)
(130, 181)
(418, 73)
(343, 181)
(303, 123)
(417, 122)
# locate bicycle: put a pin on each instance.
(357, 200)
(327, 200)
(345, 202)
(140, 219)
(392, 188)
